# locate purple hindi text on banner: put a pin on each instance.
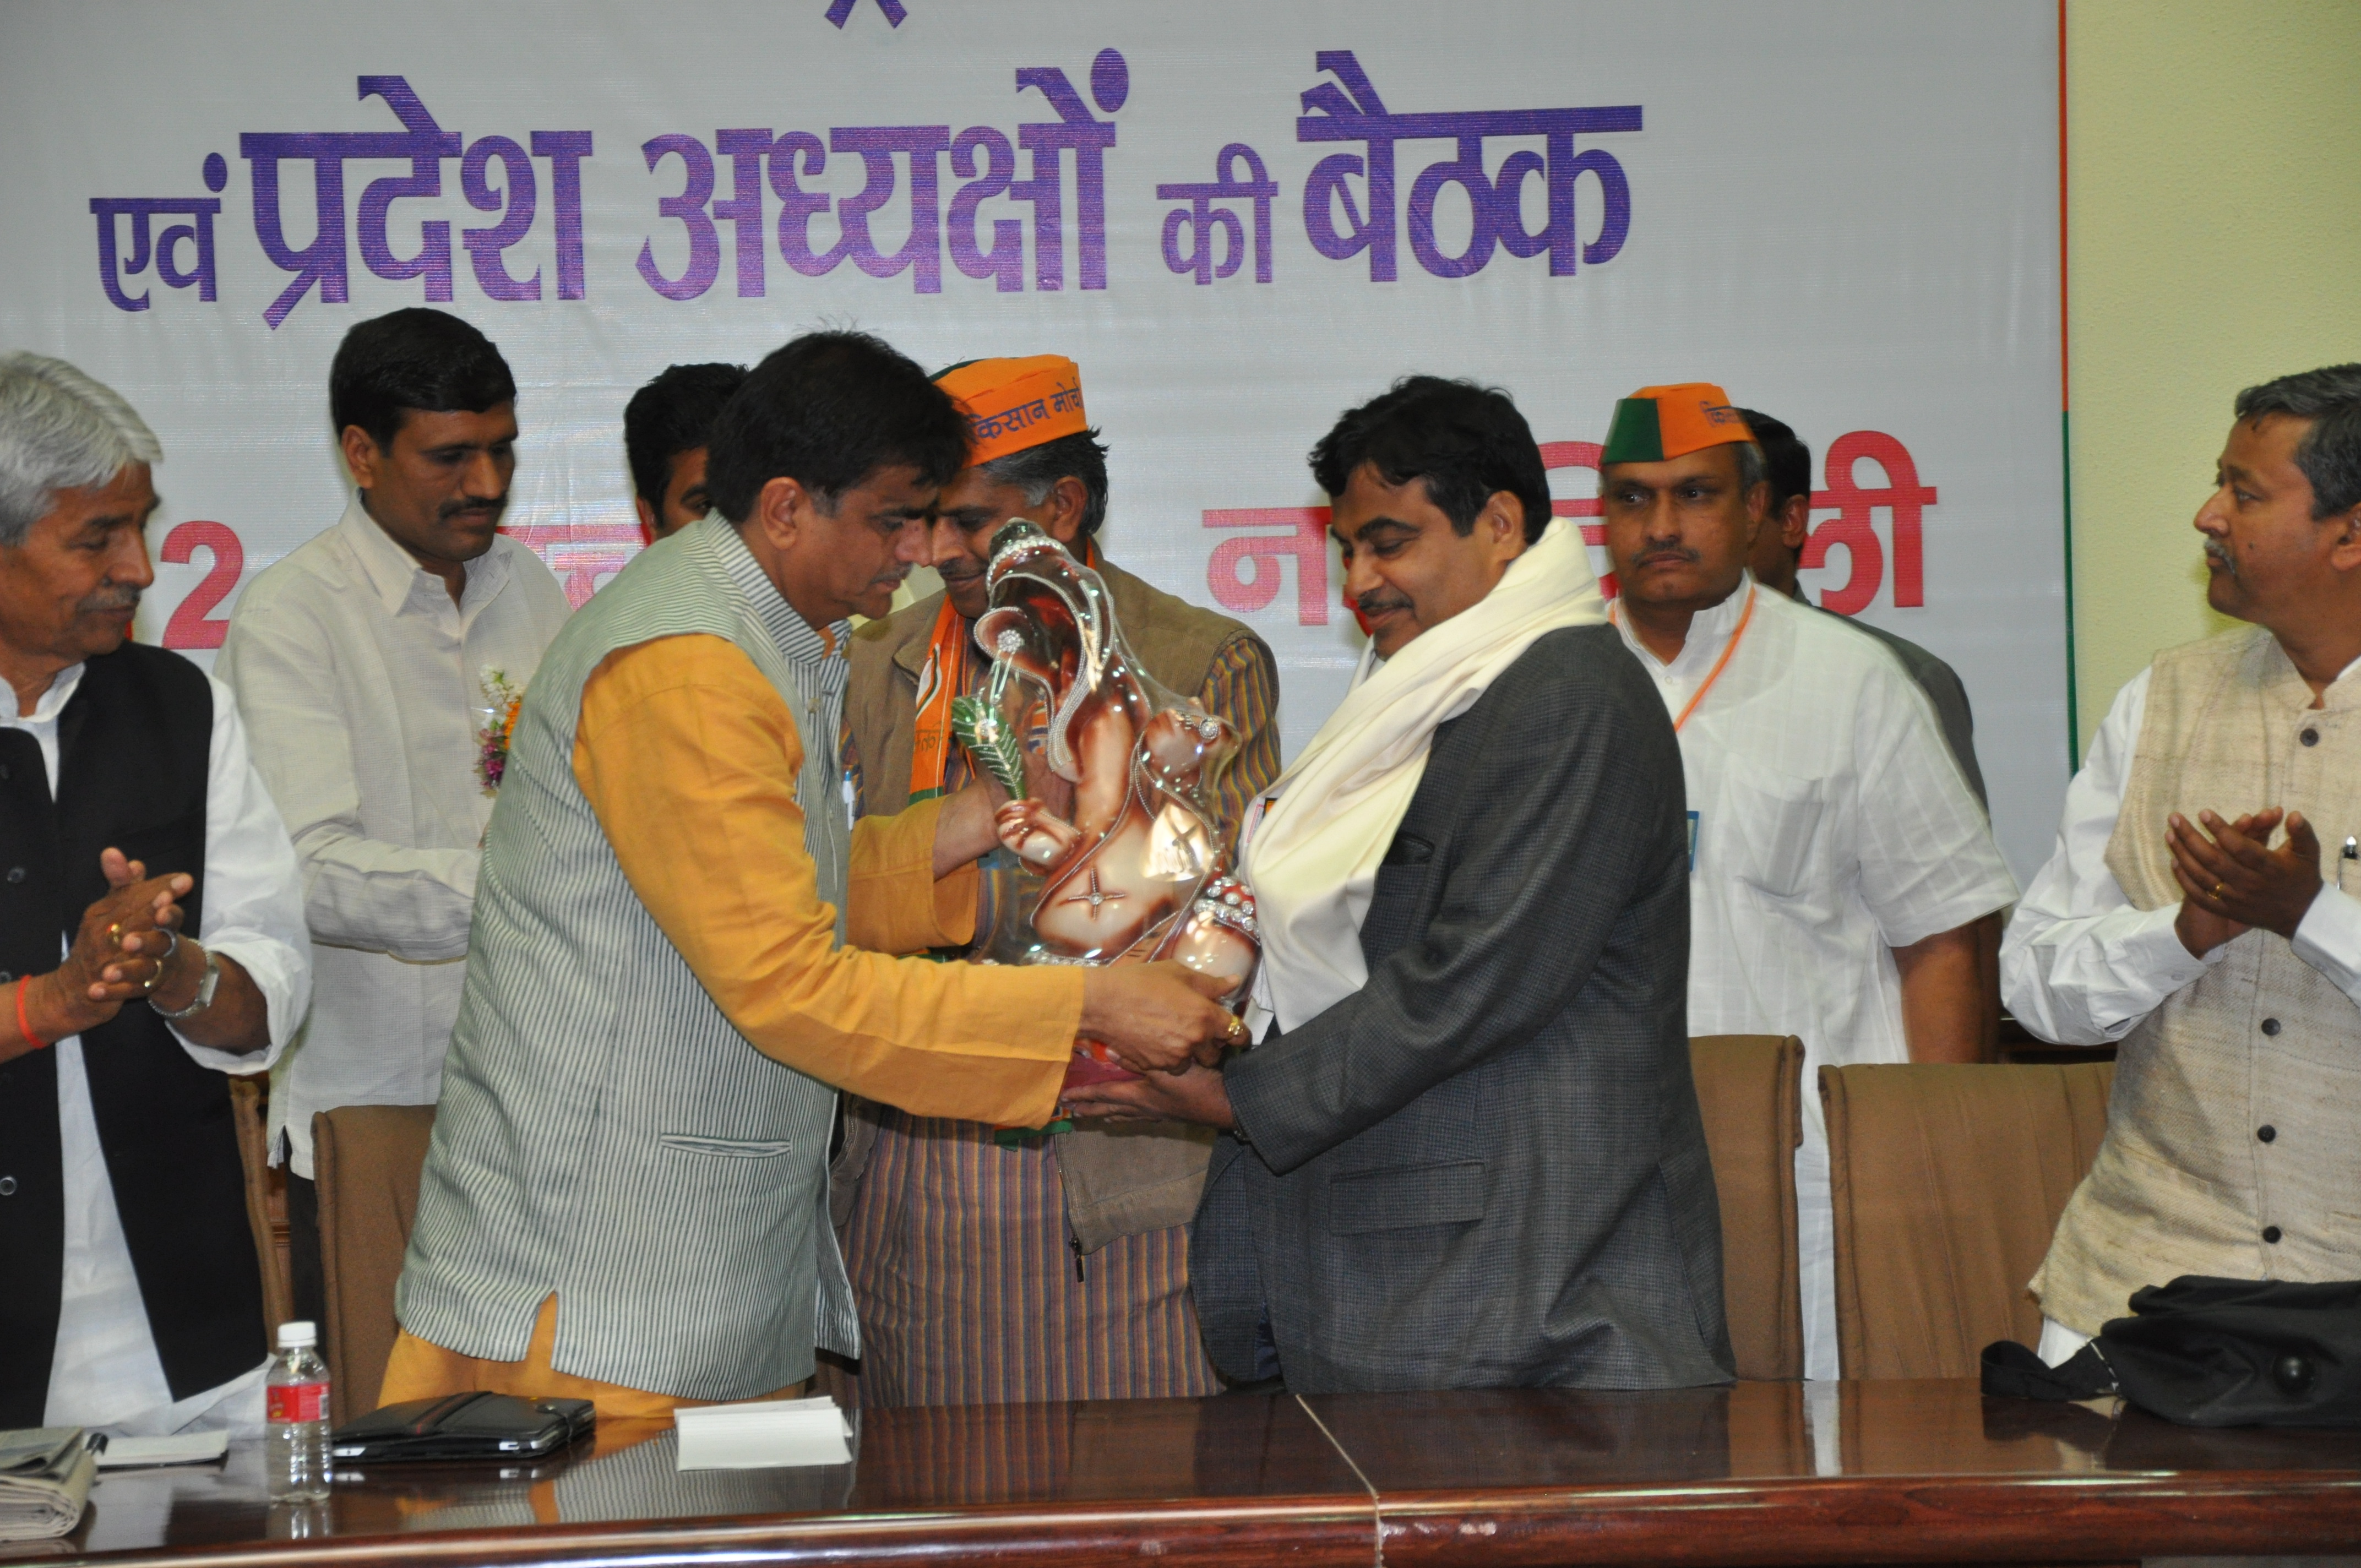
(163, 248)
(840, 12)
(985, 159)
(922, 254)
(800, 153)
(566, 150)
(1088, 139)
(518, 194)
(1354, 112)
(982, 157)
(424, 144)
(1203, 219)
(697, 189)
(430, 145)
(743, 209)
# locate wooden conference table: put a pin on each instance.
(1888, 1472)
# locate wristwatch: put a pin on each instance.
(205, 997)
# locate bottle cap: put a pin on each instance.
(302, 1331)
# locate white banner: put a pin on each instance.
(1240, 218)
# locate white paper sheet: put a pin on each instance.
(763, 1434)
(187, 1448)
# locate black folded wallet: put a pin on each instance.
(464, 1425)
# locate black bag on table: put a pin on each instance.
(2212, 1352)
(463, 1427)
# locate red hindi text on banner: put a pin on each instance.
(1853, 526)
(579, 554)
(1557, 454)
(1245, 591)
(1306, 540)
(192, 624)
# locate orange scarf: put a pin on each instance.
(939, 679)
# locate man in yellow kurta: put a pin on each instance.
(626, 1199)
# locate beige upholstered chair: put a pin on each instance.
(1947, 1182)
(1751, 1089)
(366, 1159)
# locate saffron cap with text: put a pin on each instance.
(1014, 404)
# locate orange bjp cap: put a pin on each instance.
(1656, 424)
(1014, 404)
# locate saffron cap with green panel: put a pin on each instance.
(1656, 424)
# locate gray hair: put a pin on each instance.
(1753, 467)
(2329, 453)
(60, 430)
(1035, 470)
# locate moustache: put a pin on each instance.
(968, 573)
(1377, 602)
(492, 509)
(109, 600)
(2220, 554)
(1668, 551)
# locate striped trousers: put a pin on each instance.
(964, 1275)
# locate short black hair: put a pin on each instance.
(1081, 455)
(673, 414)
(414, 358)
(2329, 453)
(1786, 460)
(829, 410)
(1465, 441)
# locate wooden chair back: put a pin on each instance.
(1751, 1089)
(246, 1115)
(1947, 1182)
(367, 1160)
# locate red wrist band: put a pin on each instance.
(24, 1024)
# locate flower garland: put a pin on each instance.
(502, 699)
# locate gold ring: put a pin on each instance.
(2219, 889)
(115, 933)
(1238, 1028)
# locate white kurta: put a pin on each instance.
(2080, 965)
(1830, 825)
(105, 1371)
(360, 682)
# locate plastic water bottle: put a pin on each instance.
(296, 1446)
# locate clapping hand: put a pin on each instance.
(119, 954)
(2232, 881)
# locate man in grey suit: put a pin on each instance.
(1469, 1153)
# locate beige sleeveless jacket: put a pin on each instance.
(2234, 1130)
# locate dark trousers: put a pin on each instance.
(307, 1279)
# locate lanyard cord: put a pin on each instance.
(1745, 618)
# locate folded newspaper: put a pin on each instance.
(44, 1481)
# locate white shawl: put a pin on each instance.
(1312, 859)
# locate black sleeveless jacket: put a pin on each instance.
(134, 743)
